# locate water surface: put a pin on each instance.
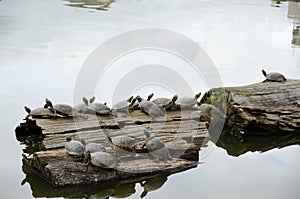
(43, 45)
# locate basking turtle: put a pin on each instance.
(209, 112)
(124, 105)
(40, 112)
(156, 147)
(188, 102)
(101, 159)
(136, 104)
(100, 109)
(64, 110)
(123, 142)
(273, 77)
(150, 108)
(93, 147)
(82, 108)
(75, 147)
(166, 102)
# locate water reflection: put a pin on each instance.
(91, 4)
(41, 188)
(294, 14)
(237, 147)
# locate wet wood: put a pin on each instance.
(259, 109)
(181, 132)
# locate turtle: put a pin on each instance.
(75, 147)
(136, 104)
(273, 77)
(153, 184)
(156, 147)
(39, 112)
(82, 108)
(64, 110)
(187, 102)
(101, 159)
(123, 142)
(124, 105)
(166, 102)
(94, 147)
(209, 112)
(100, 109)
(150, 108)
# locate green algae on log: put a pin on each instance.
(258, 109)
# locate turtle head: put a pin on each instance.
(85, 101)
(48, 103)
(174, 98)
(87, 158)
(147, 133)
(150, 96)
(264, 72)
(197, 95)
(92, 99)
(83, 141)
(131, 105)
(130, 99)
(68, 138)
(139, 99)
(28, 110)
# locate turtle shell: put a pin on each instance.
(99, 108)
(75, 147)
(121, 106)
(150, 108)
(40, 112)
(161, 101)
(124, 142)
(64, 109)
(157, 149)
(274, 76)
(103, 159)
(94, 147)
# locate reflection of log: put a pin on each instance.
(262, 108)
(182, 133)
(237, 147)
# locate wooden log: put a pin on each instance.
(181, 132)
(259, 109)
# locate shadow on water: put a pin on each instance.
(236, 147)
(90, 4)
(41, 188)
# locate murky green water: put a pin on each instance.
(43, 45)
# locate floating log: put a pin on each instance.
(181, 131)
(259, 109)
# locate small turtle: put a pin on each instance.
(136, 104)
(94, 147)
(124, 105)
(150, 108)
(40, 112)
(209, 112)
(123, 142)
(75, 147)
(156, 147)
(188, 102)
(100, 109)
(273, 77)
(101, 159)
(64, 110)
(82, 108)
(166, 102)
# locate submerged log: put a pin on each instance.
(181, 131)
(259, 109)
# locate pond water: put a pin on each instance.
(43, 45)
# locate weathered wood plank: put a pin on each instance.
(62, 170)
(269, 107)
